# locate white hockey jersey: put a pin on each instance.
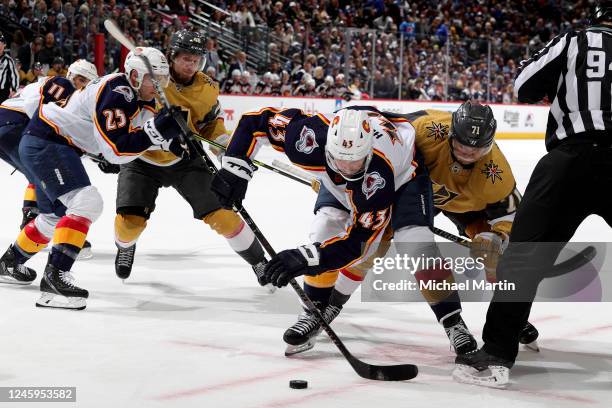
(104, 117)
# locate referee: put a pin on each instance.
(568, 184)
(9, 77)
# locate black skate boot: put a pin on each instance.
(481, 368)
(29, 213)
(11, 272)
(59, 291)
(302, 335)
(461, 339)
(124, 261)
(85, 252)
(259, 274)
(528, 337)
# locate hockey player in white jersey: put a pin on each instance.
(15, 113)
(373, 186)
(112, 116)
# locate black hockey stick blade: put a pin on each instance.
(577, 261)
(398, 372)
(580, 259)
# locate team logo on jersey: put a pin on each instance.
(307, 141)
(126, 91)
(442, 195)
(492, 171)
(437, 130)
(372, 182)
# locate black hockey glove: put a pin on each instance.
(231, 181)
(292, 263)
(164, 127)
(175, 148)
(106, 166)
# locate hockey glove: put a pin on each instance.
(106, 166)
(175, 148)
(292, 263)
(231, 181)
(489, 246)
(163, 127)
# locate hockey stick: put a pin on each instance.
(256, 162)
(114, 30)
(580, 259)
(373, 372)
(399, 372)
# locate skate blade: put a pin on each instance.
(533, 346)
(292, 350)
(55, 301)
(499, 376)
(12, 281)
(84, 254)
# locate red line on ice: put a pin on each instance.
(237, 382)
(306, 398)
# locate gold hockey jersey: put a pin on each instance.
(200, 100)
(488, 185)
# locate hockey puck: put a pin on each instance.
(298, 384)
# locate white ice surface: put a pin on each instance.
(191, 328)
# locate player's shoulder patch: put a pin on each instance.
(432, 125)
(371, 183)
(493, 176)
(307, 141)
(124, 90)
(492, 171)
(116, 92)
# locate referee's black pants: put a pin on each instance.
(568, 184)
(4, 94)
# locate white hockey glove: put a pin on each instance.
(231, 181)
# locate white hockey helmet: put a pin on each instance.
(158, 61)
(83, 68)
(350, 143)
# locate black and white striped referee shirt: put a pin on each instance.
(9, 77)
(575, 71)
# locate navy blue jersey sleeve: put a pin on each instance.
(371, 200)
(56, 89)
(283, 128)
(116, 106)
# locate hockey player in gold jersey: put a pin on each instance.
(139, 181)
(472, 181)
(472, 185)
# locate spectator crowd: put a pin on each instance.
(420, 50)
